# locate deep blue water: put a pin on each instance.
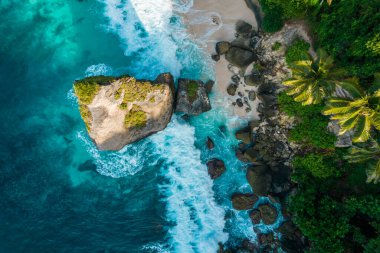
(57, 192)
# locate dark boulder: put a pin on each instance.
(215, 168)
(209, 85)
(268, 214)
(215, 57)
(244, 201)
(222, 47)
(192, 97)
(259, 179)
(231, 89)
(240, 57)
(244, 135)
(243, 27)
(253, 80)
(255, 216)
(210, 144)
(251, 95)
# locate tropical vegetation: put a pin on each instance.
(337, 204)
(313, 80)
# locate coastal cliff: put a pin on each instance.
(119, 111)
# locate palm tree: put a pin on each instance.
(358, 112)
(313, 80)
(371, 155)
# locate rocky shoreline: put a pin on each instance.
(258, 74)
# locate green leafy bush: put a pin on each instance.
(350, 31)
(276, 46)
(319, 165)
(277, 11)
(312, 126)
(135, 118)
(297, 51)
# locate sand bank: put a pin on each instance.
(211, 21)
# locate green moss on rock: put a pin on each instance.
(86, 90)
(135, 118)
(133, 90)
(192, 89)
(86, 115)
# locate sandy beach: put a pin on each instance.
(211, 21)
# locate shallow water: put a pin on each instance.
(58, 193)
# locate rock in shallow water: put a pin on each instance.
(268, 214)
(216, 168)
(119, 111)
(192, 97)
(210, 143)
(244, 201)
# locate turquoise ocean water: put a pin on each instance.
(57, 192)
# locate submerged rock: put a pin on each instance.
(216, 168)
(120, 111)
(244, 201)
(210, 143)
(192, 97)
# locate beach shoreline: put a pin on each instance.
(209, 22)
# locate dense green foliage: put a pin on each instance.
(334, 206)
(135, 118)
(276, 46)
(313, 80)
(312, 127)
(350, 31)
(86, 90)
(319, 165)
(358, 113)
(297, 51)
(332, 224)
(277, 11)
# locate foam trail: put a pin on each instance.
(189, 195)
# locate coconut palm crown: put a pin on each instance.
(371, 155)
(313, 80)
(358, 112)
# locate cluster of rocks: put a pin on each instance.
(264, 145)
(252, 63)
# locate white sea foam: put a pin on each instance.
(126, 162)
(144, 28)
(99, 69)
(199, 221)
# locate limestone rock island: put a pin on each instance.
(119, 111)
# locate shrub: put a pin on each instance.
(297, 51)
(86, 91)
(135, 118)
(350, 30)
(312, 126)
(276, 46)
(274, 19)
(318, 165)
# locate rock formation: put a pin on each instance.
(192, 97)
(119, 111)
